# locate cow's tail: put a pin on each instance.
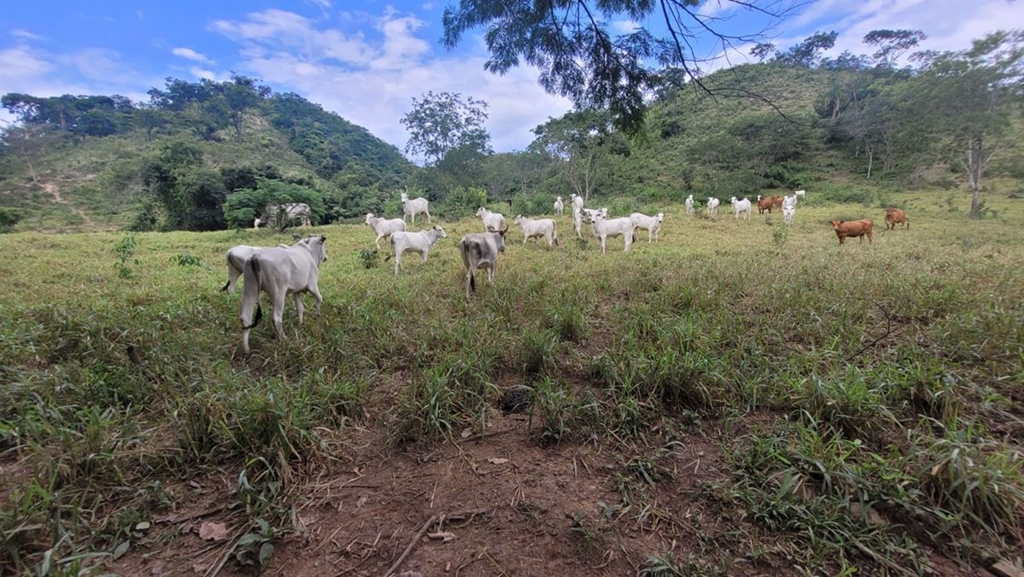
(251, 292)
(554, 234)
(391, 241)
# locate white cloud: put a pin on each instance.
(322, 4)
(19, 33)
(190, 54)
(202, 73)
(624, 26)
(19, 65)
(372, 81)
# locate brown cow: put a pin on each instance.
(764, 204)
(853, 228)
(776, 202)
(894, 216)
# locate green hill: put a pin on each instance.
(80, 163)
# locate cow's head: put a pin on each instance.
(441, 231)
(501, 239)
(369, 217)
(835, 224)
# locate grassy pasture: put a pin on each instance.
(860, 406)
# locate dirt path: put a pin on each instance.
(53, 191)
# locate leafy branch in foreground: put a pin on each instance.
(579, 57)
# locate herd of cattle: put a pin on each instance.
(295, 269)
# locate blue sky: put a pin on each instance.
(367, 59)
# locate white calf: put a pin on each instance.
(384, 227)
(481, 250)
(414, 206)
(652, 224)
(414, 242)
(279, 271)
(577, 201)
(739, 206)
(604, 228)
(544, 227)
(559, 207)
(689, 204)
(493, 221)
(577, 221)
(713, 206)
(789, 207)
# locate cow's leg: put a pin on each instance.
(428, 216)
(490, 273)
(377, 241)
(315, 290)
(298, 305)
(277, 306)
(423, 256)
(233, 275)
(398, 260)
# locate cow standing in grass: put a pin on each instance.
(852, 228)
(279, 271)
(894, 216)
(481, 250)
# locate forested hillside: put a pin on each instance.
(208, 155)
(94, 162)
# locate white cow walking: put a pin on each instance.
(481, 250)
(713, 206)
(492, 220)
(537, 228)
(414, 206)
(652, 224)
(279, 271)
(420, 242)
(383, 227)
(740, 206)
(236, 257)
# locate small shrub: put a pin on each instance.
(186, 259)
(125, 251)
(8, 218)
(369, 258)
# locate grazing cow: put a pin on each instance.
(481, 250)
(420, 242)
(739, 206)
(413, 206)
(852, 228)
(800, 193)
(236, 257)
(894, 216)
(384, 227)
(604, 228)
(559, 207)
(652, 224)
(279, 271)
(789, 208)
(492, 220)
(282, 215)
(764, 204)
(689, 204)
(713, 206)
(544, 227)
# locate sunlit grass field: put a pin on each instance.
(887, 375)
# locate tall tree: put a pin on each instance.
(972, 96)
(891, 44)
(574, 141)
(572, 44)
(439, 124)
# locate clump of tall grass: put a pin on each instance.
(444, 400)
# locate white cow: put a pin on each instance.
(481, 250)
(789, 207)
(604, 228)
(713, 206)
(293, 211)
(543, 227)
(740, 206)
(420, 242)
(414, 206)
(577, 221)
(652, 224)
(559, 207)
(577, 201)
(236, 257)
(689, 204)
(492, 220)
(384, 227)
(279, 271)
(800, 193)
